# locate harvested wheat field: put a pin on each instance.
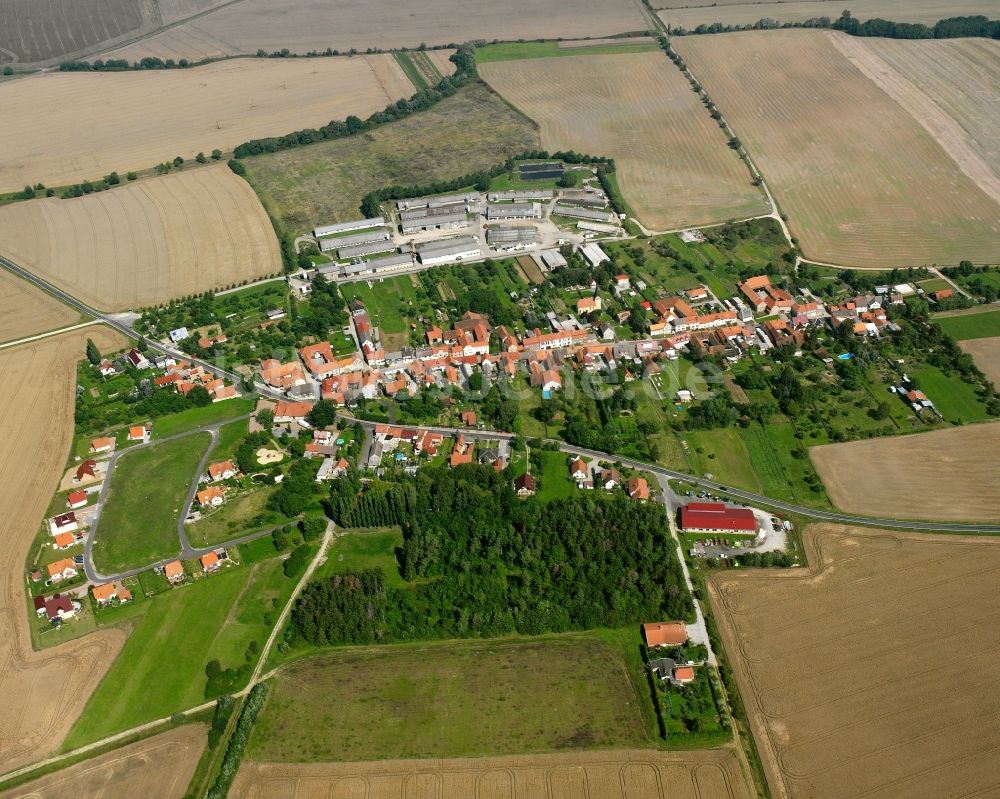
(146, 242)
(135, 120)
(627, 774)
(954, 472)
(41, 693)
(674, 167)
(863, 183)
(741, 12)
(161, 767)
(986, 353)
(951, 87)
(25, 311)
(304, 25)
(874, 672)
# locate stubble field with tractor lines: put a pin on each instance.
(146, 242)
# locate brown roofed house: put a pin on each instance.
(524, 485)
(638, 488)
(86, 471)
(665, 633)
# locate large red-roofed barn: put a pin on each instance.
(715, 517)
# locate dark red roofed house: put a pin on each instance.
(524, 485)
(715, 517)
(86, 471)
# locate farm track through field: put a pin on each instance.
(861, 181)
(915, 725)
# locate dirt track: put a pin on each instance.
(945, 475)
(41, 693)
(673, 165)
(629, 774)
(873, 674)
(135, 120)
(146, 242)
(159, 767)
(25, 311)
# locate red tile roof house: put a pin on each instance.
(56, 608)
(715, 517)
(578, 470)
(285, 412)
(610, 478)
(224, 470)
(137, 433)
(173, 571)
(76, 499)
(103, 594)
(64, 541)
(86, 471)
(665, 633)
(63, 523)
(211, 497)
(637, 488)
(63, 569)
(104, 444)
(210, 562)
(524, 486)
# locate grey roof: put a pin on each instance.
(513, 210)
(343, 227)
(365, 249)
(424, 213)
(583, 213)
(521, 194)
(439, 200)
(444, 247)
(553, 258)
(428, 223)
(511, 235)
(664, 667)
(375, 234)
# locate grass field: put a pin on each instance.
(672, 162)
(915, 725)
(554, 480)
(205, 415)
(515, 51)
(303, 26)
(326, 181)
(138, 525)
(968, 326)
(237, 517)
(945, 475)
(862, 182)
(449, 700)
(230, 437)
(957, 401)
(688, 14)
(146, 242)
(41, 692)
(366, 549)
(623, 774)
(180, 112)
(162, 667)
(731, 462)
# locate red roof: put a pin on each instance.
(716, 516)
(665, 633)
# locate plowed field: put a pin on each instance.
(863, 183)
(161, 767)
(146, 242)
(674, 167)
(946, 475)
(628, 774)
(25, 311)
(135, 120)
(873, 673)
(41, 693)
(304, 25)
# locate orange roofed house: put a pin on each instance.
(173, 571)
(211, 497)
(210, 562)
(665, 633)
(102, 445)
(285, 412)
(637, 488)
(223, 470)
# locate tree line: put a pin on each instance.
(481, 562)
(948, 28)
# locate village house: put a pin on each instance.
(765, 298)
(137, 433)
(58, 608)
(282, 376)
(207, 342)
(665, 633)
(61, 570)
(609, 478)
(288, 412)
(108, 592)
(462, 453)
(524, 486)
(211, 497)
(103, 444)
(173, 571)
(637, 488)
(322, 363)
(86, 471)
(223, 470)
(209, 562)
(63, 523)
(578, 469)
(76, 499)
(668, 669)
(137, 359)
(64, 540)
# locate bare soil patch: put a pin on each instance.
(622, 774)
(441, 59)
(25, 311)
(146, 242)
(863, 183)
(673, 165)
(161, 766)
(945, 475)
(574, 44)
(986, 352)
(135, 120)
(869, 674)
(41, 693)
(304, 25)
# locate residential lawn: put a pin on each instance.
(553, 480)
(934, 284)
(387, 302)
(966, 326)
(138, 525)
(366, 549)
(192, 418)
(161, 670)
(237, 517)
(724, 455)
(451, 699)
(953, 397)
(516, 51)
